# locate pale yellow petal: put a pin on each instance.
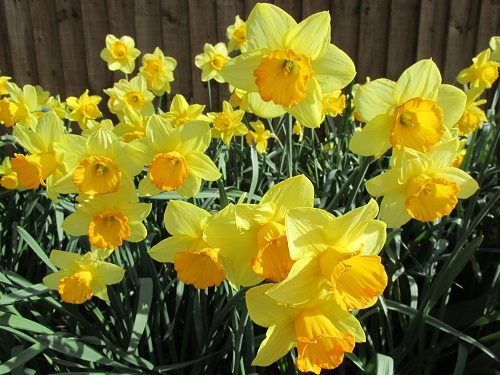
(165, 250)
(262, 108)
(452, 101)
(64, 259)
(334, 70)
(183, 218)
(280, 338)
(467, 184)
(108, 273)
(239, 70)
(384, 183)
(422, 79)
(393, 210)
(76, 224)
(299, 37)
(265, 311)
(200, 165)
(374, 137)
(308, 111)
(375, 98)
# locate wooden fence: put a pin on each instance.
(56, 43)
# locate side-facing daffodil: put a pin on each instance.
(320, 329)
(81, 277)
(482, 73)
(227, 124)
(259, 135)
(8, 178)
(252, 237)
(20, 105)
(109, 219)
(334, 254)
(288, 66)
(181, 112)
(473, 116)
(421, 186)
(194, 260)
(176, 158)
(413, 112)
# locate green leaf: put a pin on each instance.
(385, 365)
(36, 248)
(141, 317)
(21, 358)
(23, 294)
(18, 322)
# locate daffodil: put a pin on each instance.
(460, 154)
(8, 177)
(495, 48)
(258, 136)
(120, 54)
(42, 166)
(3, 81)
(473, 116)
(421, 186)
(84, 108)
(81, 277)
(413, 112)
(20, 105)
(158, 70)
(195, 261)
(98, 164)
(134, 94)
(482, 73)
(320, 329)
(133, 125)
(181, 112)
(211, 61)
(176, 158)
(93, 126)
(252, 237)
(333, 104)
(109, 219)
(237, 35)
(288, 66)
(334, 254)
(227, 124)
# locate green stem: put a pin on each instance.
(289, 152)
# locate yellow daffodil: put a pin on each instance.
(134, 94)
(287, 65)
(98, 164)
(133, 125)
(120, 54)
(84, 108)
(237, 35)
(195, 261)
(460, 154)
(495, 48)
(259, 232)
(259, 136)
(482, 73)
(55, 104)
(238, 98)
(421, 186)
(211, 61)
(176, 158)
(109, 219)
(158, 71)
(227, 124)
(473, 116)
(320, 329)
(334, 254)
(333, 104)
(8, 178)
(181, 112)
(81, 277)
(20, 106)
(94, 126)
(42, 166)
(3, 81)
(413, 112)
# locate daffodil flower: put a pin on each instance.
(495, 48)
(473, 116)
(134, 94)
(421, 186)
(413, 112)
(81, 277)
(287, 65)
(20, 106)
(259, 136)
(227, 124)
(252, 237)
(109, 219)
(482, 73)
(237, 35)
(320, 329)
(8, 178)
(133, 125)
(211, 61)
(181, 112)
(334, 254)
(195, 261)
(120, 54)
(158, 70)
(84, 108)
(176, 158)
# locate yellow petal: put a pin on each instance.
(165, 250)
(262, 108)
(468, 185)
(375, 98)
(452, 102)
(421, 79)
(308, 111)
(299, 37)
(393, 209)
(279, 340)
(334, 70)
(264, 310)
(247, 63)
(374, 137)
(200, 165)
(183, 218)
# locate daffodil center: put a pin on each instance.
(240, 34)
(77, 288)
(168, 171)
(218, 61)
(152, 67)
(108, 230)
(201, 268)
(282, 77)
(431, 197)
(418, 124)
(90, 111)
(487, 72)
(134, 99)
(97, 175)
(118, 50)
(223, 122)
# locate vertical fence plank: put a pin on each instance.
(177, 43)
(148, 23)
(402, 36)
(488, 25)
(48, 54)
(72, 48)
(96, 27)
(462, 28)
(345, 29)
(6, 68)
(249, 4)
(20, 36)
(311, 7)
(373, 38)
(292, 7)
(202, 29)
(433, 31)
